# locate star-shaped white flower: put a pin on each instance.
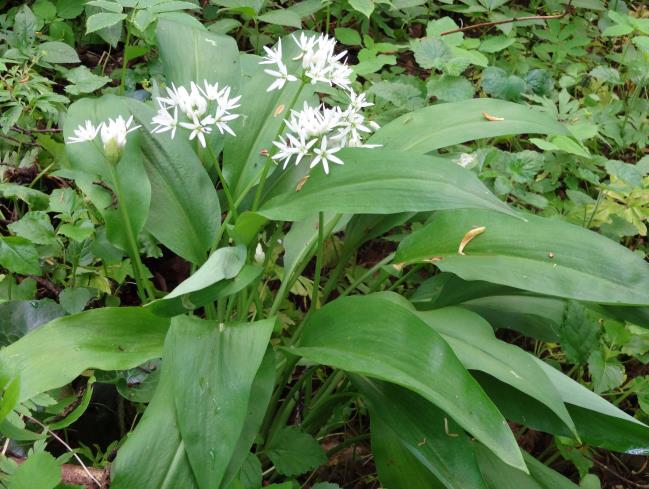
(84, 132)
(165, 121)
(199, 128)
(325, 155)
(273, 56)
(282, 76)
(114, 131)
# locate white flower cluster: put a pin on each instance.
(319, 62)
(202, 107)
(320, 132)
(113, 133)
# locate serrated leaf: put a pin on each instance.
(40, 471)
(579, 333)
(606, 372)
(294, 452)
(103, 20)
(450, 88)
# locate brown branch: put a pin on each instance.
(46, 284)
(17, 141)
(75, 474)
(34, 131)
(509, 21)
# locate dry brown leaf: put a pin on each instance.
(301, 183)
(468, 237)
(492, 118)
(278, 110)
(433, 259)
(398, 266)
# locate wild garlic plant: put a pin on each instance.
(267, 346)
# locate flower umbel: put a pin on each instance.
(320, 62)
(113, 134)
(320, 132)
(201, 108)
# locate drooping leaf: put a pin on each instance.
(476, 346)
(541, 255)
(224, 263)
(438, 126)
(422, 430)
(376, 337)
(379, 181)
(107, 339)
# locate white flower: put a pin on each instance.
(114, 131)
(282, 77)
(300, 146)
(273, 56)
(286, 151)
(325, 155)
(199, 128)
(196, 105)
(259, 254)
(84, 133)
(465, 159)
(165, 121)
(305, 44)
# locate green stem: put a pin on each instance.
(143, 287)
(232, 206)
(346, 443)
(122, 82)
(368, 273)
(318, 262)
(269, 159)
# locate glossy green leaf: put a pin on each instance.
(376, 337)
(379, 181)
(193, 446)
(262, 389)
(476, 346)
(19, 255)
(223, 362)
(262, 117)
(224, 263)
(442, 125)
(425, 432)
(107, 339)
(185, 210)
(501, 476)
(547, 256)
(204, 55)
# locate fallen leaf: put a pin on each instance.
(492, 117)
(468, 237)
(301, 183)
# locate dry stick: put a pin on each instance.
(72, 474)
(68, 447)
(509, 21)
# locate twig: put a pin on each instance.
(46, 284)
(68, 447)
(509, 21)
(611, 471)
(33, 131)
(17, 141)
(73, 474)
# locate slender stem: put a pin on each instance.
(348, 442)
(143, 287)
(368, 273)
(122, 82)
(232, 208)
(318, 262)
(269, 159)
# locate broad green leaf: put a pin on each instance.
(262, 117)
(294, 452)
(36, 227)
(107, 338)
(606, 372)
(376, 337)
(365, 7)
(40, 471)
(34, 198)
(223, 363)
(9, 389)
(75, 299)
(379, 181)
(123, 218)
(499, 84)
(398, 468)
(18, 255)
(103, 20)
(185, 210)
(284, 17)
(260, 393)
(546, 256)
(17, 318)
(224, 263)
(501, 476)
(58, 52)
(425, 432)
(84, 81)
(449, 88)
(204, 55)
(443, 125)
(476, 346)
(68, 9)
